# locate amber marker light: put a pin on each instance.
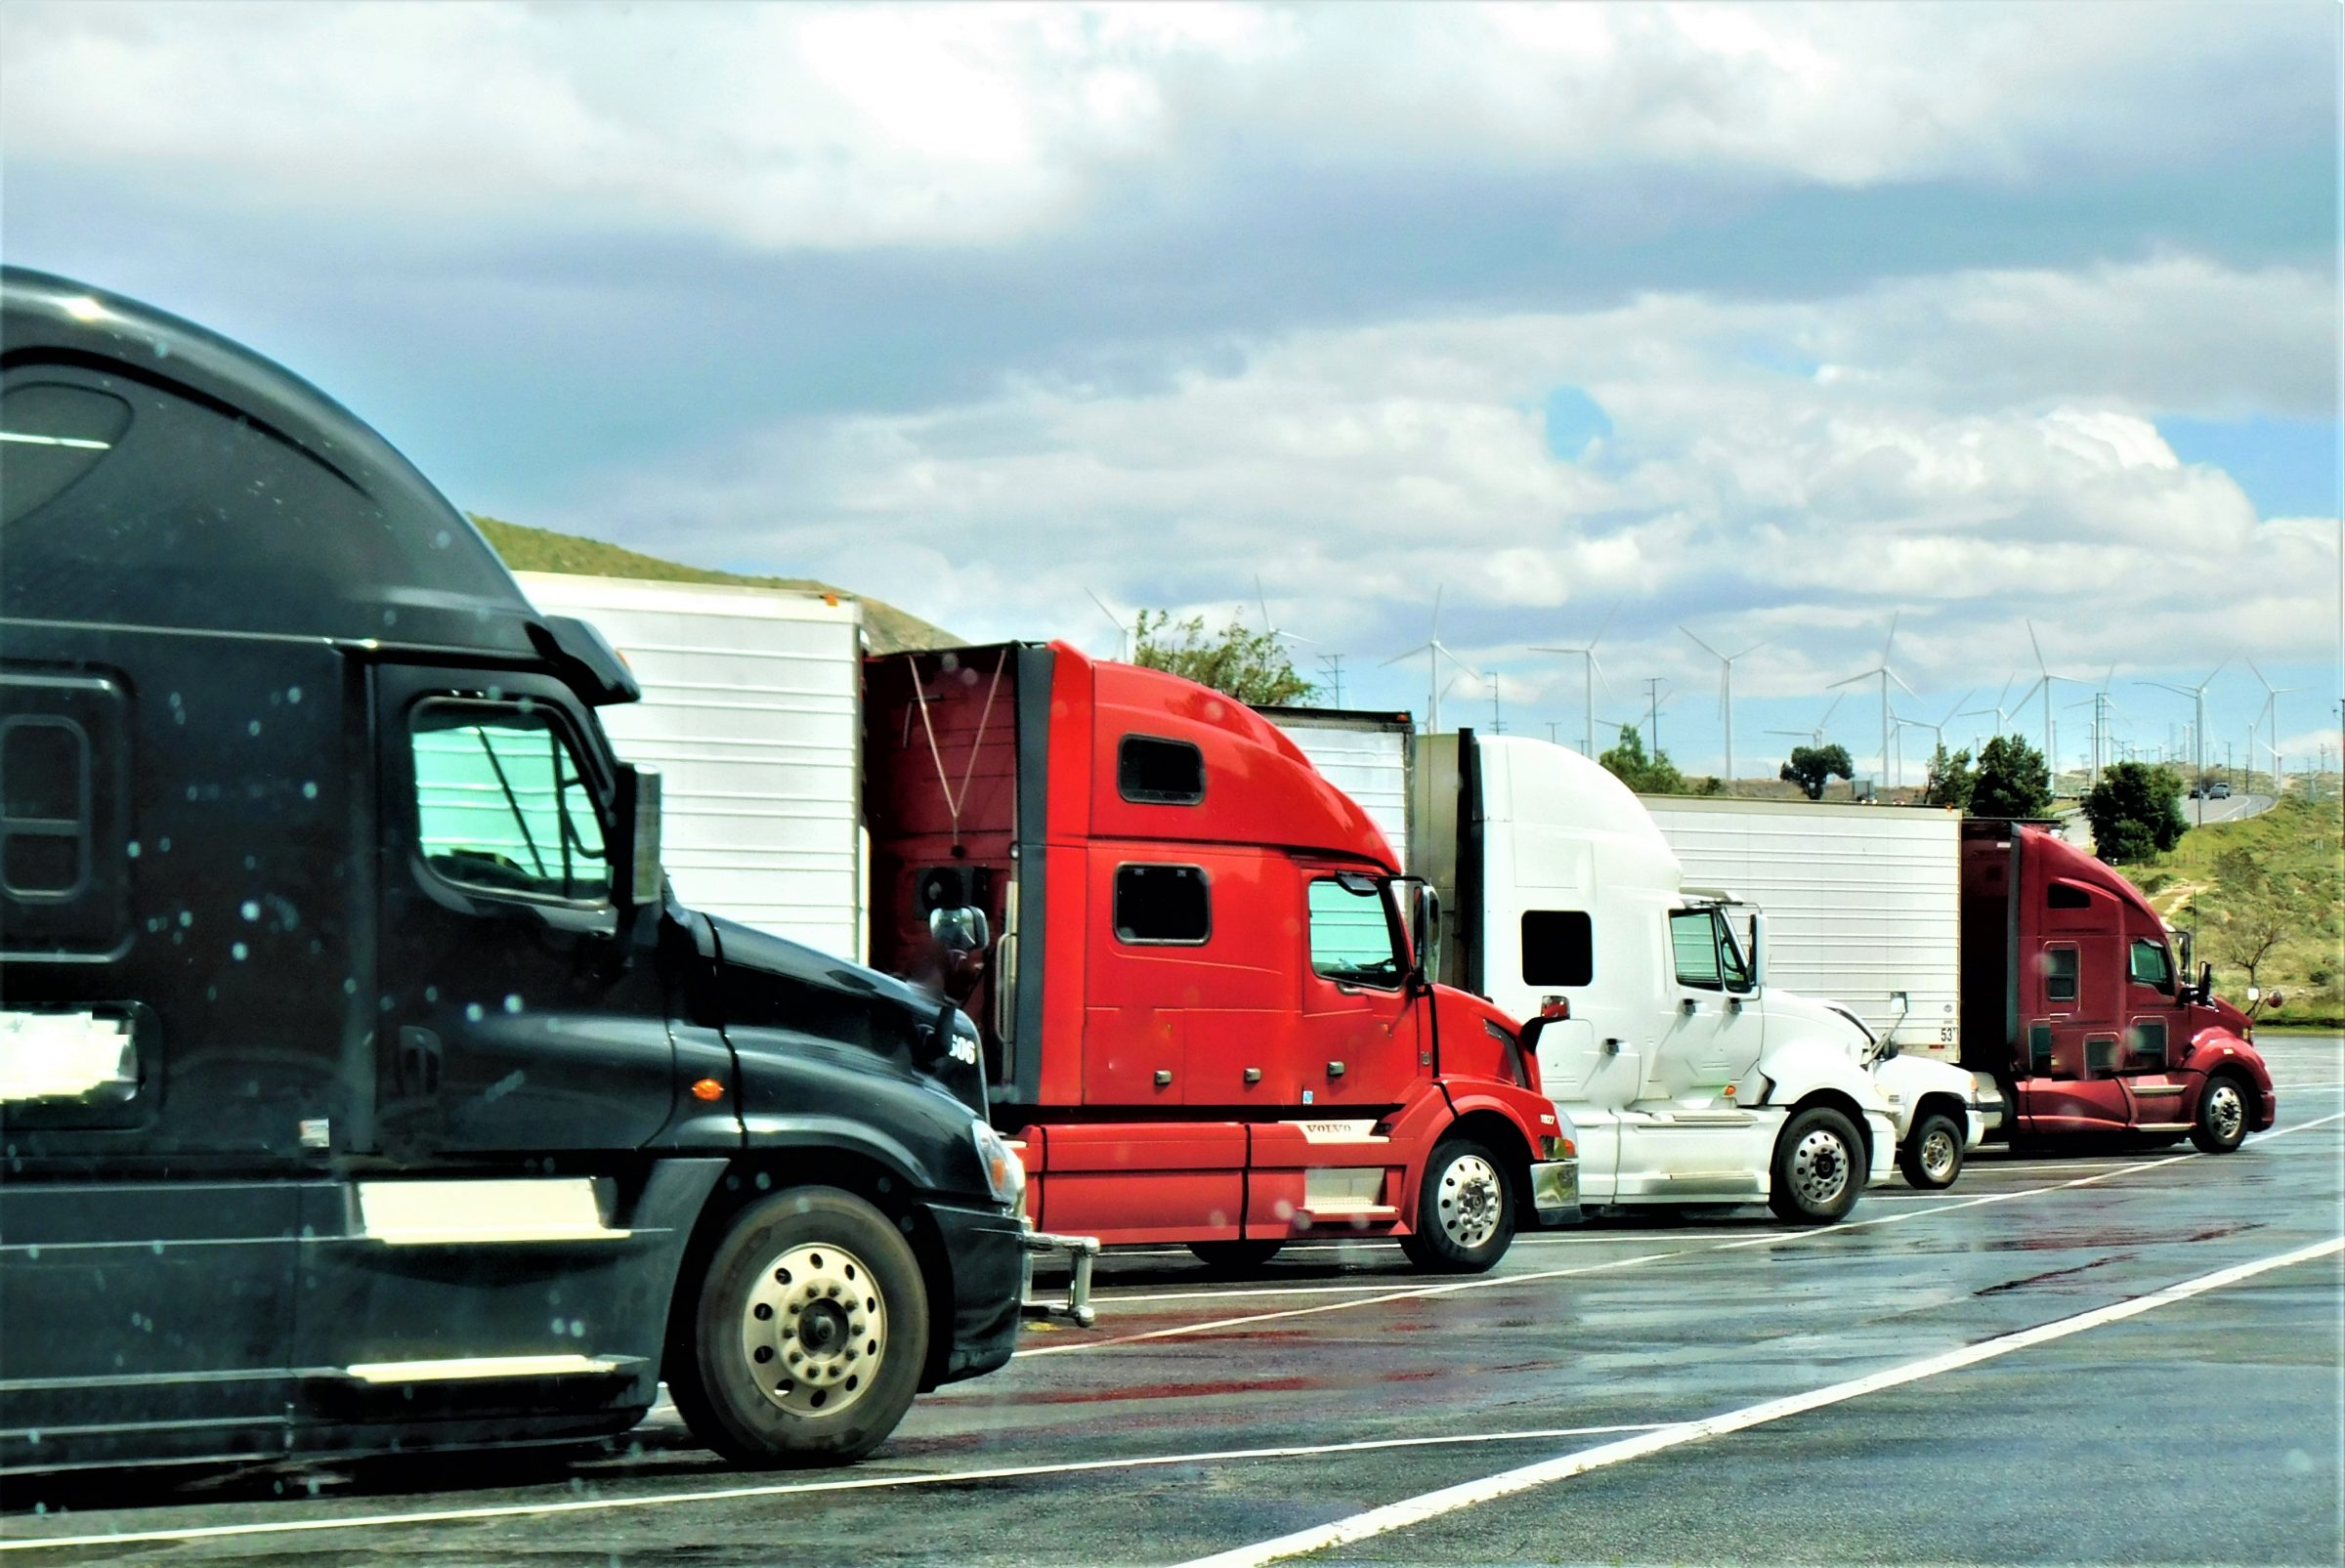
(708, 1089)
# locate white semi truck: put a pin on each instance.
(1689, 1076)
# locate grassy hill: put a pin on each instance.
(526, 549)
(2298, 840)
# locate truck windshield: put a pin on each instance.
(1352, 935)
(500, 803)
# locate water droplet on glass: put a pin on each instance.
(131, 849)
(309, 790)
(237, 951)
(431, 994)
(473, 1012)
(251, 910)
(512, 1003)
(292, 694)
(252, 727)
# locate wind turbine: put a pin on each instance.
(1270, 626)
(2198, 696)
(2043, 682)
(1814, 736)
(1725, 690)
(1591, 673)
(1886, 675)
(2001, 714)
(1937, 730)
(2270, 710)
(1123, 632)
(1434, 651)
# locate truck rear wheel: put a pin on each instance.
(807, 1334)
(2221, 1124)
(1235, 1258)
(1932, 1153)
(1819, 1167)
(1464, 1211)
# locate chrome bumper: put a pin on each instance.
(1555, 1189)
(1079, 1251)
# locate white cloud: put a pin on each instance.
(1359, 469)
(788, 127)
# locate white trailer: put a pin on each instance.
(752, 712)
(1366, 756)
(1864, 903)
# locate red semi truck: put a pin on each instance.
(1200, 974)
(2074, 996)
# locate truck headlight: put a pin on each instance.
(1005, 1171)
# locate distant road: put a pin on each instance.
(2225, 811)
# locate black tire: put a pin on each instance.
(1817, 1144)
(783, 1282)
(2224, 1107)
(1932, 1155)
(1464, 1211)
(1235, 1258)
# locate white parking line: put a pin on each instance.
(1508, 1483)
(1779, 1238)
(866, 1483)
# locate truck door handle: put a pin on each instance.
(1690, 1006)
(1335, 1070)
(419, 1058)
(1163, 1078)
(1611, 1048)
(1254, 1075)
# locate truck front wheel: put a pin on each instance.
(2222, 1122)
(1932, 1155)
(1464, 1211)
(807, 1335)
(1819, 1167)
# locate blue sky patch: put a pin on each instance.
(1574, 421)
(2288, 467)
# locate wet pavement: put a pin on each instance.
(1204, 1416)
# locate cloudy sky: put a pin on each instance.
(1770, 323)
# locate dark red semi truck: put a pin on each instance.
(1201, 977)
(2074, 997)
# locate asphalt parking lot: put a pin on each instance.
(2118, 1356)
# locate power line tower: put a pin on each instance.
(1332, 667)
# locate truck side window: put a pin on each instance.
(1154, 772)
(2149, 965)
(1693, 942)
(1163, 906)
(503, 804)
(2066, 896)
(1351, 936)
(50, 436)
(2060, 974)
(1558, 947)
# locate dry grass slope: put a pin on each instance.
(526, 549)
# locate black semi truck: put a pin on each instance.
(360, 1084)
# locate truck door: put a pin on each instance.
(2153, 1095)
(517, 1013)
(1359, 1034)
(1714, 1039)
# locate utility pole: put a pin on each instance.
(1652, 704)
(1332, 667)
(1498, 725)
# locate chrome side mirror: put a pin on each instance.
(962, 929)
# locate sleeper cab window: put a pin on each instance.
(1163, 906)
(52, 434)
(1154, 772)
(503, 804)
(1693, 943)
(1558, 947)
(1352, 935)
(2067, 896)
(2149, 965)
(2060, 974)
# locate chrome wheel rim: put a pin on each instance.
(814, 1329)
(2226, 1111)
(1938, 1154)
(1470, 1202)
(1819, 1168)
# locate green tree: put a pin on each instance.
(1951, 778)
(1656, 774)
(2136, 812)
(2248, 909)
(1252, 666)
(2012, 780)
(1814, 767)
